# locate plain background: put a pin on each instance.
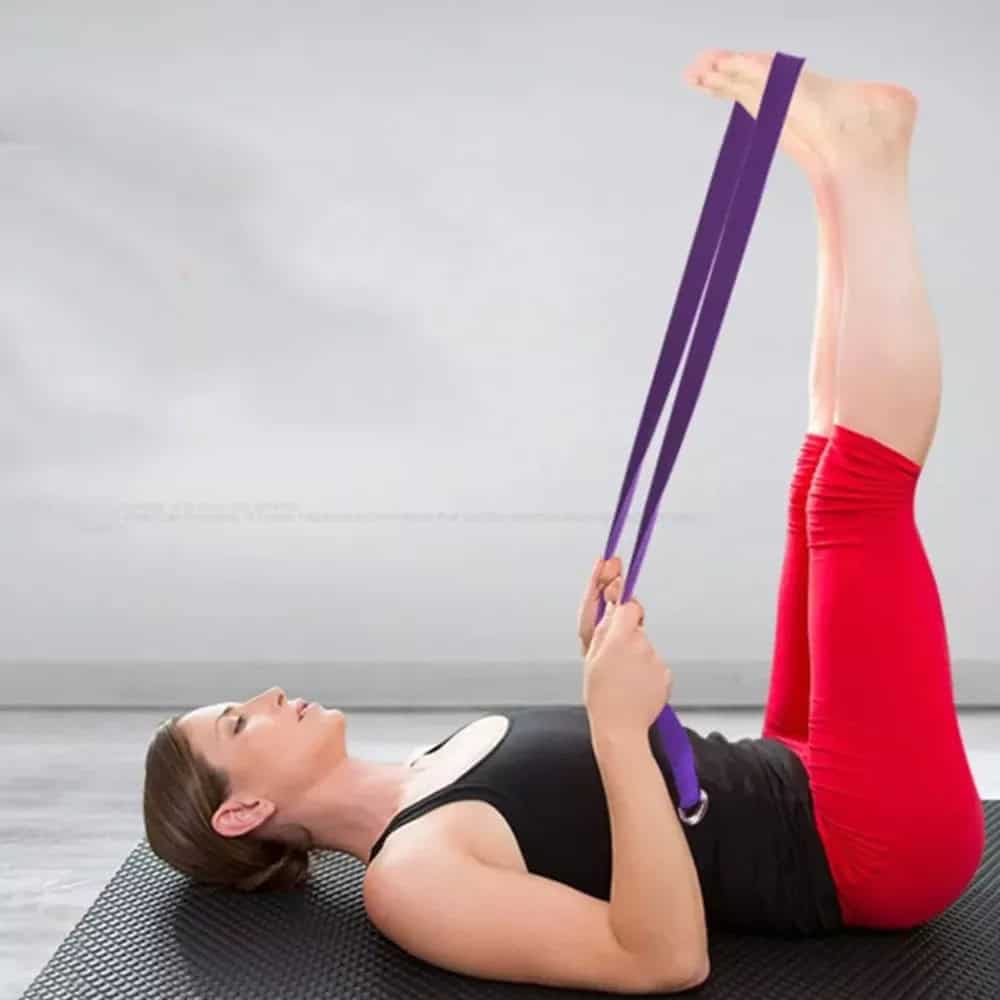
(324, 334)
(325, 330)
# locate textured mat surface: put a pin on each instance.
(150, 935)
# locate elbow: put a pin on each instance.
(676, 979)
(689, 978)
(700, 972)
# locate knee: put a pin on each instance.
(845, 510)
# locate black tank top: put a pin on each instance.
(760, 860)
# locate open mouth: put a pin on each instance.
(303, 708)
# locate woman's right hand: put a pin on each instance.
(625, 682)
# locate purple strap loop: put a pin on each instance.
(720, 240)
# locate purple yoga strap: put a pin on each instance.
(720, 240)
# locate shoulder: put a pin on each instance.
(403, 858)
(464, 830)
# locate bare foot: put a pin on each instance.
(832, 125)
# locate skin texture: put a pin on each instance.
(875, 327)
(288, 774)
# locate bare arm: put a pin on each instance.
(656, 901)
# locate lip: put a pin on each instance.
(301, 707)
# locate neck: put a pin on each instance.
(351, 807)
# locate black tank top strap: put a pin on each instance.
(452, 793)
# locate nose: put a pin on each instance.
(273, 697)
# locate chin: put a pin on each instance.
(321, 736)
(334, 722)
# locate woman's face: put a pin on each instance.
(267, 746)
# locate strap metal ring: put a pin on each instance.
(699, 814)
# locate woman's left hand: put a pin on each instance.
(606, 579)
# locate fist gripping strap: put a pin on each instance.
(720, 240)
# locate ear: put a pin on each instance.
(235, 817)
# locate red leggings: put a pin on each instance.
(861, 687)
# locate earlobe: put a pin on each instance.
(236, 817)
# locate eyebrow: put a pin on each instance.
(222, 714)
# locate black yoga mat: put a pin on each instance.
(151, 935)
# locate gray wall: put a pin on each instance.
(325, 328)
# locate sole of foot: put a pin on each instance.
(832, 125)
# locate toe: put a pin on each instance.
(747, 64)
(718, 83)
(707, 81)
(709, 58)
(705, 71)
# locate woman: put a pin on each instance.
(856, 808)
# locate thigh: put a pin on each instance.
(786, 714)
(878, 641)
(892, 788)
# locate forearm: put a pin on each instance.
(657, 911)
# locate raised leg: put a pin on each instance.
(829, 311)
(889, 369)
(853, 140)
(894, 798)
(786, 715)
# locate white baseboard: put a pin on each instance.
(417, 685)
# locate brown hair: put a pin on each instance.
(181, 794)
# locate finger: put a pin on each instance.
(602, 629)
(610, 569)
(642, 611)
(598, 577)
(613, 594)
(592, 589)
(626, 617)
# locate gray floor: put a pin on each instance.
(70, 804)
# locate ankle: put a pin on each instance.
(866, 180)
